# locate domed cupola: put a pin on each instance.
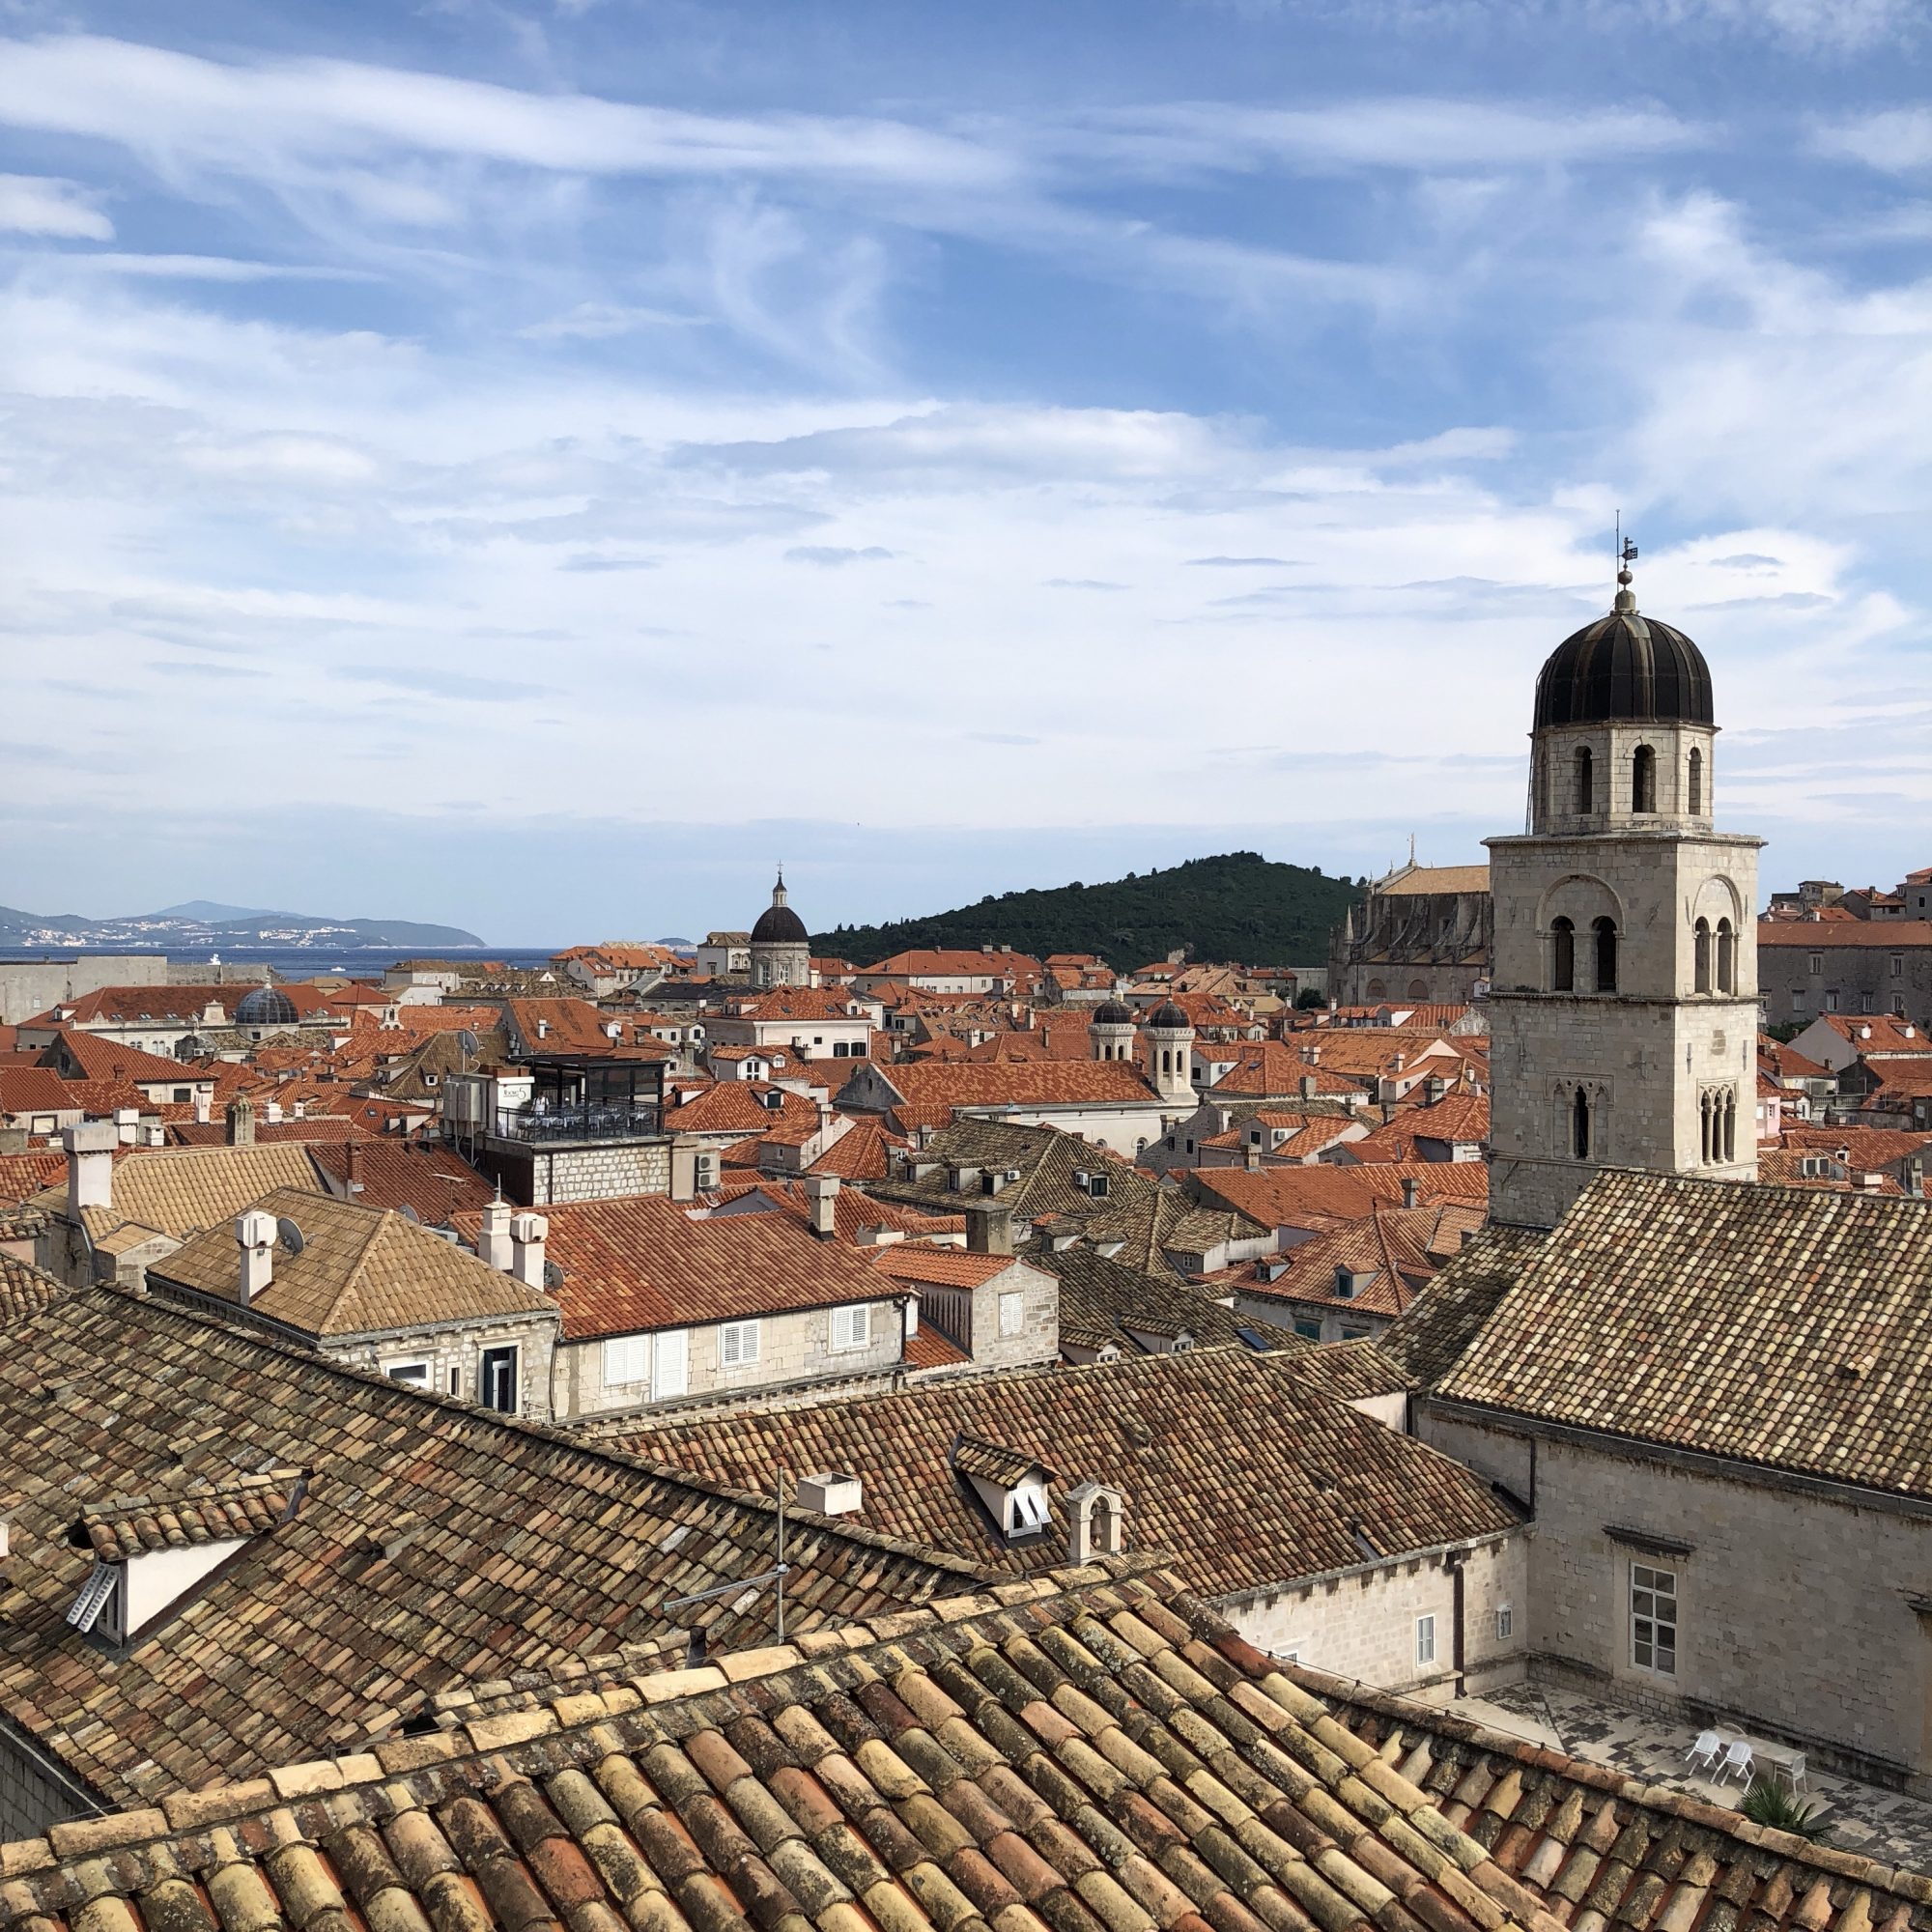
(781, 946)
(1625, 667)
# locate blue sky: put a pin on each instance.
(534, 466)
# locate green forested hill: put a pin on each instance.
(1236, 906)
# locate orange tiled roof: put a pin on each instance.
(1018, 1083)
(1902, 933)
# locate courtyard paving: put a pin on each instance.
(1862, 1818)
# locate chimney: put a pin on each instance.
(495, 1246)
(255, 1237)
(989, 1228)
(272, 1113)
(543, 1029)
(203, 1106)
(1308, 1086)
(821, 1197)
(153, 1134)
(126, 1125)
(1251, 1156)
(90, 1166)
(1412, 1192)
(528, 1234)
(242, 1123)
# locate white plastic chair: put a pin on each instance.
(1794, 1772)
(1704, 1753)
(1737, 1758)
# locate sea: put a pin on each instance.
(302, 963)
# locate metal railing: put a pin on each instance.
(580, 1124)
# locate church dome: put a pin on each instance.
(1169, 1016)
(1625, 666)
(266, 1005)
(778, 925)
(1114, 1013)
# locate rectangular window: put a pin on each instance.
(1505, 1621)
(183, 1096)
(1354, 1332)
(1013, 1312)
(415, 1373)
(1309, 1331)
(670, 1364)
(1654, 1619)
(1830, 1002)
(1798, 997)
(1898, 965)
(851, 1327)
(1425, 1640)
(1816, 963)
(738, 1345)
(1029, 1511)
(627, 1359)
(496, 1381)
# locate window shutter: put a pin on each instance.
(670, 1373)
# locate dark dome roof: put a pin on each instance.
(778, 925)
(1114, 1013)
(1168, 1014)
(266, 1005)
(1625, 666)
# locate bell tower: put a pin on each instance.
(1624, 999)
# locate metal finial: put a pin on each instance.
(1626, 557)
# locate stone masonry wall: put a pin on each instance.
(600, 1172)
(1795, 1609)
(1363, 1623)
(30, 1801)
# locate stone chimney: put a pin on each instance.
(90, 1166)
(255, 1237)
(989, 1228)
(821, 1198)
(527, 1233)
(153, 1134)
(1251, 1155)
(126, 1125)
(1308, 1086)
(495, 1245)
(242, 1123)
(203, 1106)
(1412, 1191)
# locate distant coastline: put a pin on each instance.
(296, 962)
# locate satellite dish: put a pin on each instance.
(467, 1041)
(553, 1276)
(410, 1214)
(289, 1235)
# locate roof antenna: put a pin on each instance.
(1626, 557)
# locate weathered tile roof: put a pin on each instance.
(1092, 1754)
(24, 1290)
(572, 1026)
(862, 1152)
(950, 1267)
(180, 1191)
(1776, 1325)
(1899, 933)
(1430, 1339)
(437, 1546)
(1309, 1196)
(1239, 1464)
(1395, 1247)
(23, 1174)
(436, 1181)
(36, 1090)
(994, 1461)
(1019, 1083)
(641, 1262)
(183, 1514)
(84, 1056)
(360, 1271)
(1104, 1299)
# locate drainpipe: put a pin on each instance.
(1456, 1585)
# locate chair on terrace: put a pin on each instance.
(1703, 1754)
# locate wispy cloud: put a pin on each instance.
(43, 205)
(834, 556)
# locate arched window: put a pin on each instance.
(1694, 785)
(1728, 957)
(1417, 990)
(1562, 956)
(1542, 788)
(1579, 1125)
(1586, 782)
(1643, 779)
(1704, 1105)
(1701, 981)
(1105, 1528)
(1606, 955)
(1730, 1126)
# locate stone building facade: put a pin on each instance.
(1424, 933)
(1809, 969)
(1624, 1002)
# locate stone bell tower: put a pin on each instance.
(1624, 999)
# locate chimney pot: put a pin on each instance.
(255, 1234)
(528, 1234)
(821, 1198)
(203, 1106)
(242, 1123)
(90, 1165)
(126, 1125)
(1412, 1192)
(989, 1228)
(495, 1244)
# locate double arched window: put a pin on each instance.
(1728, 957)
(1586, 785)
(1713, 957)
(1606, 930)
(1563, 956)
(1643, 779)
(1693, 789)
(1700, 980)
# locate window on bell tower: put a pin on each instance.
(1586, 782)
(1728, 957)
(1643, 779)
(1606, 955)
(1701, 974)
(1695, 788)
(1562, 956)
(1579, 1125)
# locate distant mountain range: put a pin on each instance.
(1234, 906)
(201, 923)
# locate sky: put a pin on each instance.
(538, 465)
